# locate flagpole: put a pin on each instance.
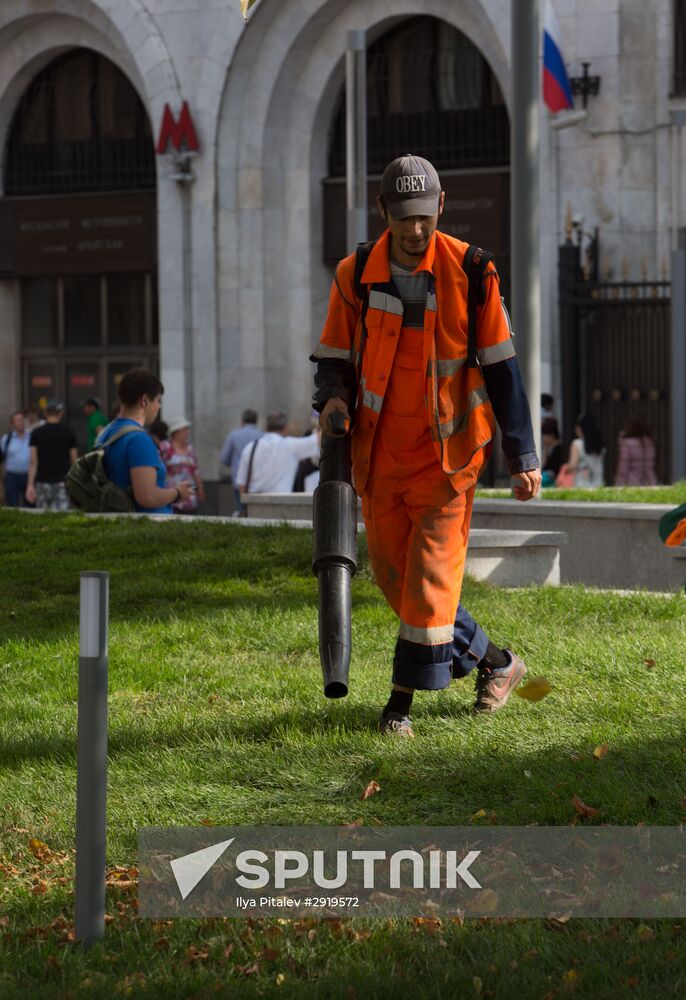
(526, 298)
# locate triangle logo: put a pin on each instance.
(189, 869)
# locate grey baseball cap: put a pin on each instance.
(410, 186)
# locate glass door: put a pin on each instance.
(82, 382)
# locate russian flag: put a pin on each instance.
(557, 93)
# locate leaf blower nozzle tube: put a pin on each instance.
(334, 561)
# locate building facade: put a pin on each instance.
(213, 264)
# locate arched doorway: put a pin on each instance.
(77, 225)
(431, 92)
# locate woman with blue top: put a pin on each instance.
(133, 461)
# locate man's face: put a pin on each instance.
(18, 423)
(151, 407)
(412, 234)
(88, 408)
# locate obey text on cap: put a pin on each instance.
(410, 182)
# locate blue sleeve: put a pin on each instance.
(511, 407)
(141, 451)
(227, 451)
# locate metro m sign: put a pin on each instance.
(180, 131)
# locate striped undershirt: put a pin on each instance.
(412, 289)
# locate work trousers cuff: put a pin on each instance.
(425, 668)
(469, 644)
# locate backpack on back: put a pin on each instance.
(90, 488)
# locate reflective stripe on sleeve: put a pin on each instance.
(434, 636)
(339, 353)
(430, 301)
(498, 352)
(460, 422)
(385, 302)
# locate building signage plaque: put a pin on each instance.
(82, 234)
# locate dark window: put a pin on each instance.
(80, 126)
(429, 92)
(39, 312)
(82, 313)
(679, 47)
(126, 309)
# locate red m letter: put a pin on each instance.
(179, 131)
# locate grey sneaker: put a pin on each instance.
(395, 724)
(493, 689)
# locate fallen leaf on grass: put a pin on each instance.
(372, 788)
(582, 809)
(649, 664)
(40, 888)
(194, 954)
(355, 823)
(478, 984)
(535, 690)
(644, 933)
(601, 751)
(280, 979)
(40, 850)
(482, 814)
(571, 977)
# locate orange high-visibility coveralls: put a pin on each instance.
(422, 433)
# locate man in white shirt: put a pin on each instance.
(269, 464)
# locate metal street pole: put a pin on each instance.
(526, 279)
(91, 759)
(356, 138)
(678, 365)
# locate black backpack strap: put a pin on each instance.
(361, 291)
(474, 265)
(361, 257)
(250, 461)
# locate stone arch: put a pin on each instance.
(126, 35)
(272, 141)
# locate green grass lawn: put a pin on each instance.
(217, 716)
(674, 494)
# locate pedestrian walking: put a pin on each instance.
(586, 462)
(636, 458)
(53, 450)
(181, 464)
(96, 420)
(269, 464)
(397, 356)
(133, 461)
(233, 446)
(15, 452)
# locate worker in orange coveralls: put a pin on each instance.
(393, 355)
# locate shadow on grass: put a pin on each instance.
(645, 778)
(157, 571)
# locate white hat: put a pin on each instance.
(178, 425)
